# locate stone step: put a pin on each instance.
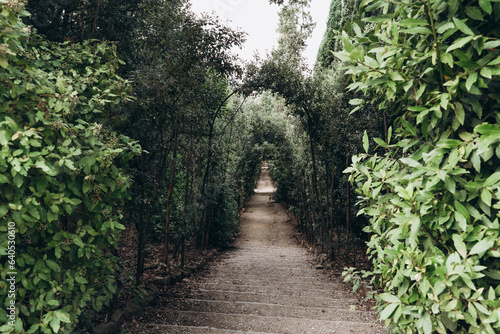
(277, 254)
(272, 273)
(261, 249)
(273, 259)
(272, 279)
(283, 289)
(268, 267)
(265, 324)
(265, 309)
(272, 299)
(321, 287)
(173, 329)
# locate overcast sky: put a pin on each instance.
(260, 20)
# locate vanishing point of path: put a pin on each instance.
(266, 284)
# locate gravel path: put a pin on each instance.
(266, 284)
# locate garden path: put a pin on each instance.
(266, 284)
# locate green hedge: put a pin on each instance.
(60, 179)
(434, 197)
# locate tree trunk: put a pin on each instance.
(316, 189)
(204, 235)
(329, 217)
(348, 204)
(171, 187)
(331, 209)
(193, 186)
(185, 208)
(141, 229)
(312, 213)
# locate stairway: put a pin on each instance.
(266, 284)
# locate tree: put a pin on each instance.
(183, 70)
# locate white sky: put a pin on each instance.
(260, 20)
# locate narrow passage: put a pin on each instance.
(266, 284)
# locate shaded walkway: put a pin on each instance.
(267, 284)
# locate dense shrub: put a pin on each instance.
(433, 197)
(61, 183)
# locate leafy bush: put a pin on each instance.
(223, 214)
(433, 198)
(60, 176)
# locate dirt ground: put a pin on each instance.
(266, 284)
(262, 224)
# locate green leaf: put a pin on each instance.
(488, 129)
(396, 76)
(486, 197)
(3, 210)
(77, 241)
(4, 137)
(460, 113)
(410, 162)
(3, 179)
(408, 127)
(417, 30)
(463, 210)
(450, 184)
(426, 323)
(356, 102)
(492, 179)
(447, 58)
(6, 328)
(34, 329)
(81, 279)
(347, 43)
(447, 26)
(54, 303)
(55, 324)
(492, 273)
(420, 91)
(379, 18)
(4, 62)
(413, 23)
(482, 246)
(61, 87)
(389, 298)
(381, 142)
(486, 72)
(459, 245)
(471, 80)
(475, 159)
(460, 43)
(46, 167)
(486, 6)
(18, 325)
(63, 316)
(57, 252)
(460, 24)
(467, 64)
(494, 62)
(388, 310)
(86, 187)
(448, 143)
(365, 142)
(474, 13)
(53, 265)
(491, 44)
